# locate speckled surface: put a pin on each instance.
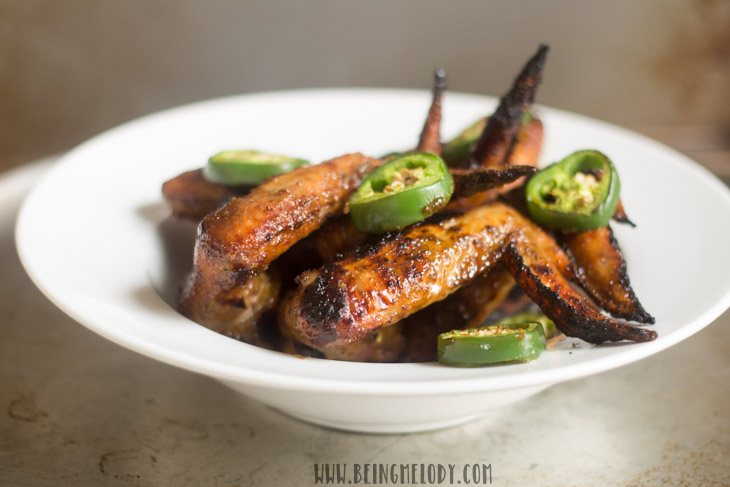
(78, 410)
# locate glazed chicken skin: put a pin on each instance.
(236, 243)
(381, 284)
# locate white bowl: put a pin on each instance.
(96, 238)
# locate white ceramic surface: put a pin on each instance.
(94, 235)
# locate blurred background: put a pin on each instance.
(71, 69)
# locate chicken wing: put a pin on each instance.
(385, 282)
(601, 270)
(238, 242)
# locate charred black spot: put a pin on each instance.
(324, 303)
(371, 247)
(243, 274)
(470, 182)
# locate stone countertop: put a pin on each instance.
(76, 409)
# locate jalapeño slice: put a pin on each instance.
(491, 345)
(578, 193)
(548, 326)
(402, 191)
(239, 167)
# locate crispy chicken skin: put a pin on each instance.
(407, 271)
(384, 282)
(238, 242)
(601, 270)
(597, 264)
(573, 315)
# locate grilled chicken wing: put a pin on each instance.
(573, 315)
(601, 271)
(383, 283)
(238, 242)
(407, 271)
(597, 264)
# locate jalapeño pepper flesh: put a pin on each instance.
(403, 191)
(578, 193)
(244, 167)
(491, 345)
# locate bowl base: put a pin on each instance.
(384, 428)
